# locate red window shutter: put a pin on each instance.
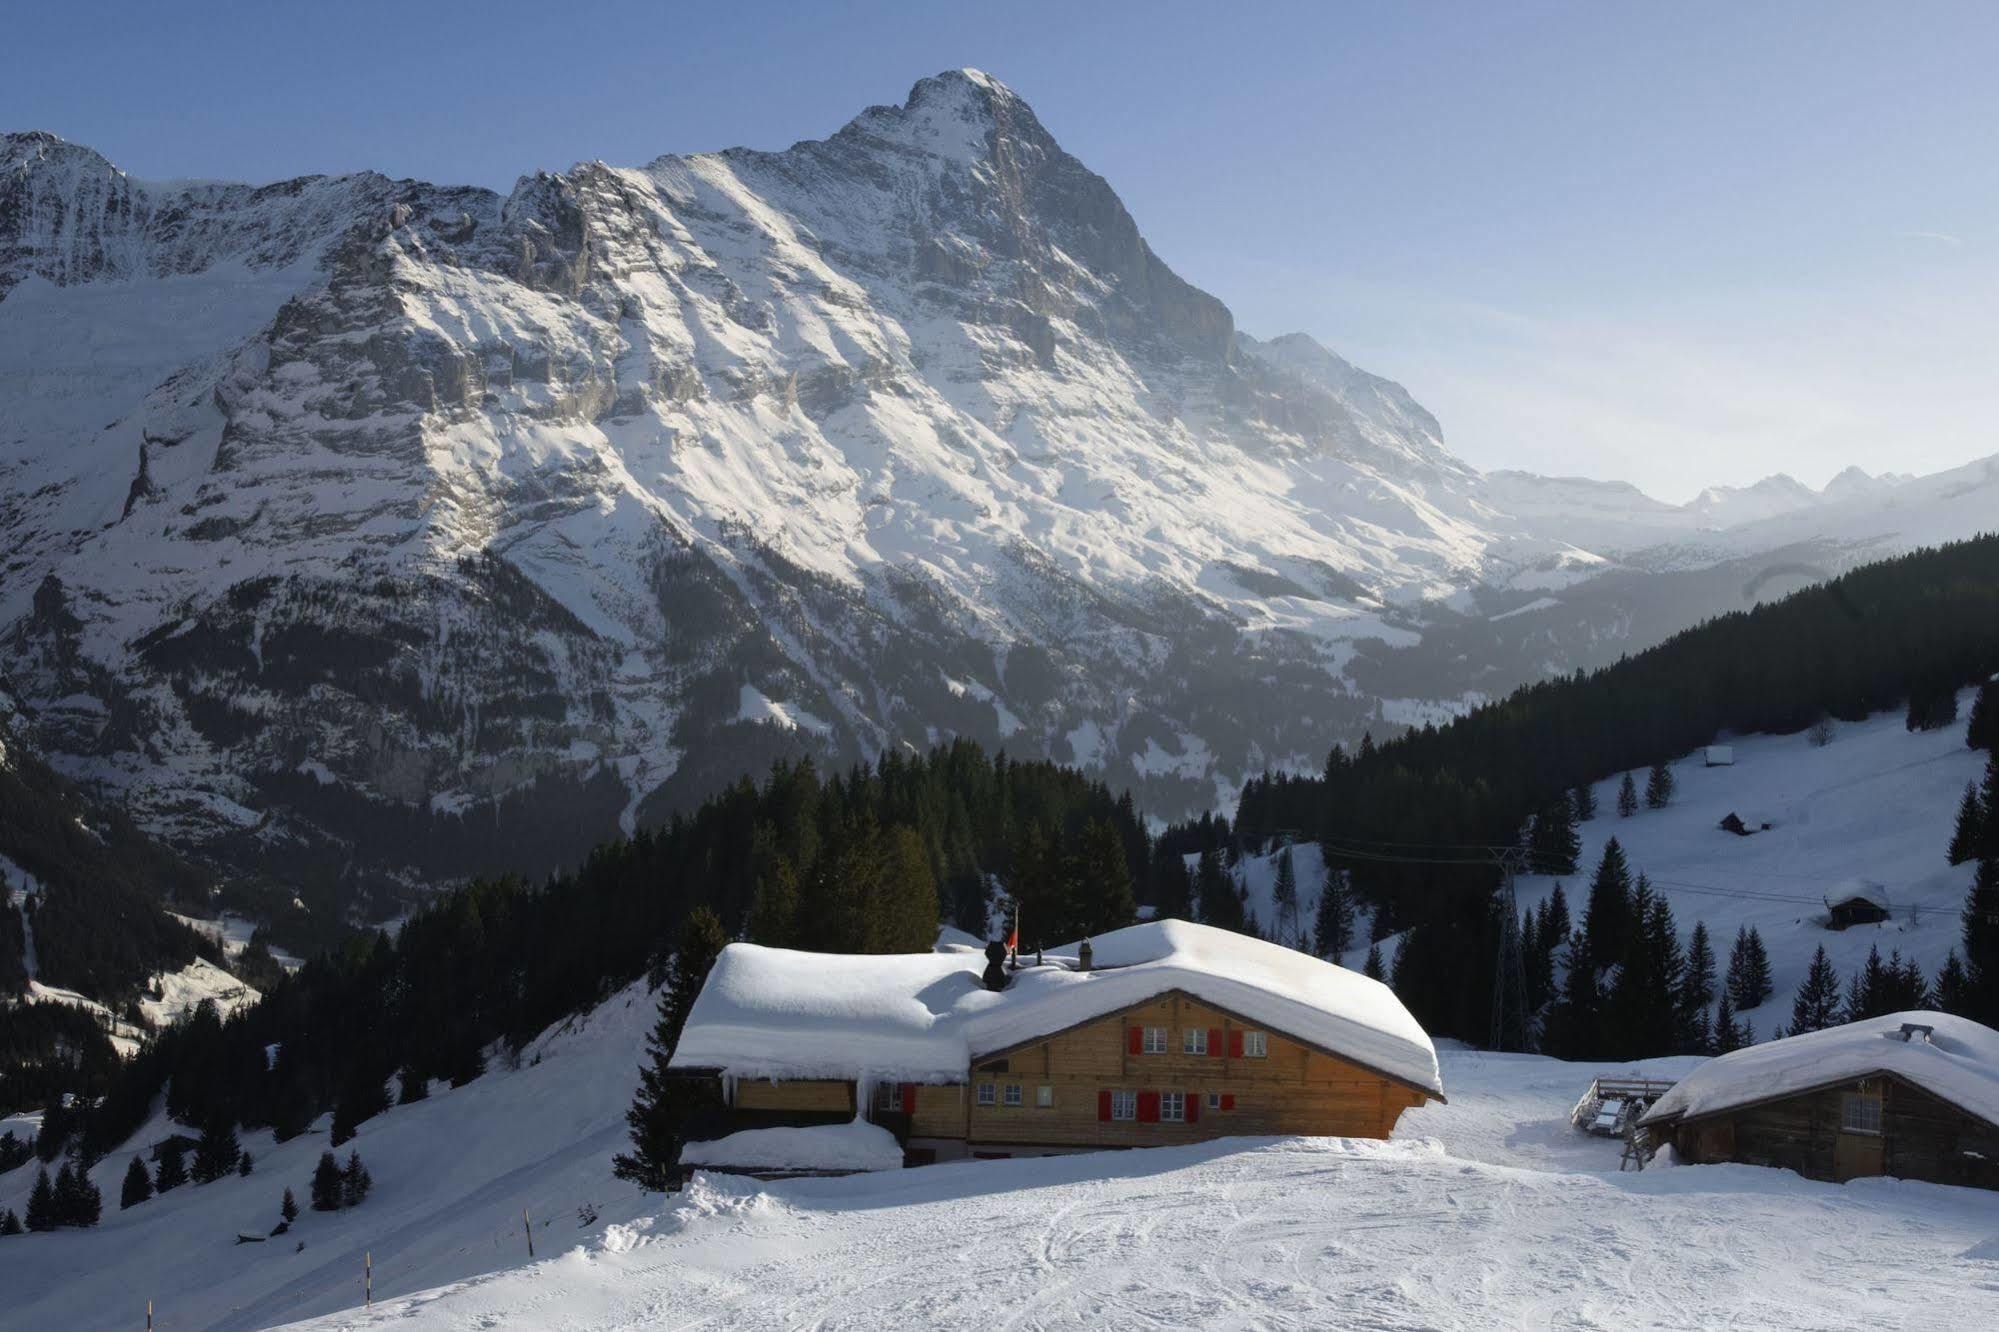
(1193, 1107)
(1104, 1106)
(1215, 1042)
(1148, 1107)
(1228, 1100)
(1235, 1044)
(1137, 1037)
(909, 1098)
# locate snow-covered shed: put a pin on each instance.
(1856, 902)
(1914, 1095)
(1175, 1031)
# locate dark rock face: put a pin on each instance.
(427, 532)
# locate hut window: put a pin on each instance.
(888, 1097)
(988, 1094)
(1256, 1044)
(1124, 1105)
(1044, 1098)
(1173, 1107)
(1012, 1097)
(1859, 1113)
(1155, 1040)
(1214, 1100)
(1194, 1040)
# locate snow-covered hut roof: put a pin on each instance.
(1858, 890)
(925, 1017)
(1959, 1063)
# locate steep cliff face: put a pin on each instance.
(369, 531)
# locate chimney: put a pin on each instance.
(1911, 1030)
(1084, 955)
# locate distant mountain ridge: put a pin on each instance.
(370, 531)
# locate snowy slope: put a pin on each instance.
(1489, 1210)
(1878, 803)
(430, 530)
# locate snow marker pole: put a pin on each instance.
(368, 1279)
(149, 1316)
(527, 1228)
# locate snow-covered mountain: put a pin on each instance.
(380, 530)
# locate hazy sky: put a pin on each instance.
(1677, 244)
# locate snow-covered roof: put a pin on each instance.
(1858, 890)
(1958, 1064)
(924, 1017)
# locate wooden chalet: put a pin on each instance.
(1912, 1095)
(1172, 1033)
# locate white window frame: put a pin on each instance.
(988, 1095)
(1044, 1097)
(1214, 1100)
(1172, 1107)
(888, 1098)
(1154, 1041)
(1852, 1123)
(1194, 1041)
(1256, 1044)
(1010, 1097)
(1124, 1106)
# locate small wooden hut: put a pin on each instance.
(1913, 1095)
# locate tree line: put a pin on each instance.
(1872, 640)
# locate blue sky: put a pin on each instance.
(1680, 244)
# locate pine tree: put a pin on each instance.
(1582, 802)
(1981, 945)
(1607, 916)
(1817, 1005)
(1983, 732)
(75, 1200)
(1988, 801)
(10, 1223)
(1866, 992)
(1641, 1015)
(774, 906)
(244, 1165)
(1552, 844)
(1627, 797)
(364, 1096)
(1576, 1027)
(1216, 893)
(415, 1085)
(1284, 898)
(355, 1181)
(42, 1203)
(1372, 968)
(1969, 837)
(288, 1209)
(216, 1152)
(1102, 880)
(326, 1181)
(1659, 786)
(1332, 929)
(1748, 980)
(138, 1185)
(173, 1166)
(1953, 986)
(1727, 1033)
(655, 1114)
(1696, 992)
